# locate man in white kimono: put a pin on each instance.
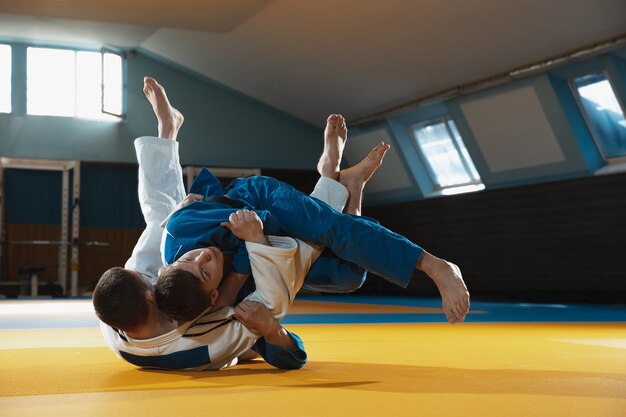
(141, 334)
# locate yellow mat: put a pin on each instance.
(354, 370)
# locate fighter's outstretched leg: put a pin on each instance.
(355, 178)
(169, 119)
(335, 136)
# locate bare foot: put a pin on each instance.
(447, 276)
(363, 171)
(355, 178)
(335, 136)
(169, 119)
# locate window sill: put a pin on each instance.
(462, 189)
(614, 168)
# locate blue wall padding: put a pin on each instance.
(32, 197)
(109, 196)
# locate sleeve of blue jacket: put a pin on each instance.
(280, 357)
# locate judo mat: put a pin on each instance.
(367, 357)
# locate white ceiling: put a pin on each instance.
(312, 58)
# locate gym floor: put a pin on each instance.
(368, 356)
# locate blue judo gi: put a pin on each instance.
(354, 244)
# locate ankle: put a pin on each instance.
(328, 172)
(430, 265)
(168, 129)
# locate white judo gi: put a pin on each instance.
(216, 339)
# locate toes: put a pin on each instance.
(382, 147)
(149, 81)
(451, 318)
(455, 314)
(332, 122)
(460, 313)
(338, 122)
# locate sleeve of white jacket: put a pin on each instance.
(160, 189)
(275, 273)
(279, 270)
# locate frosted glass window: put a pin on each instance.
(50, 85)
(88, 88)
(70, 83)
(603, 113)
(5, 79)
(442, 148)
(113, 82)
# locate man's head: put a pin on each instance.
(188, 287)
(121, 299)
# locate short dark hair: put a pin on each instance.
(180, 294)
(119, 299)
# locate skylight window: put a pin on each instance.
(68, 83)
(603, 113)
(449, 164)
(5, 79)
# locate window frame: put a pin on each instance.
(122, 115)
(590, 126)
(113, 116)
(437, 188)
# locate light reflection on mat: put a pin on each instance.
(15, 314)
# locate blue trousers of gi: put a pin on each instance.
(354, 239)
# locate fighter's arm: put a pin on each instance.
(258, 318)
(160, 189)
(247, 226)
(226, 338)
(277, 346)
(271, 259)
(229, 288)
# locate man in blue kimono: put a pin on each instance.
(352, 242)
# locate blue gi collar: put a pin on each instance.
(207, 185)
